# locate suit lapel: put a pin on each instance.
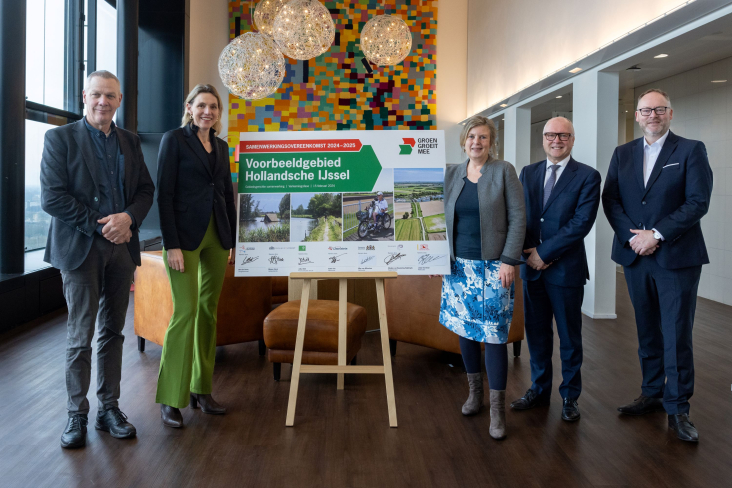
(539, 185)
(126, 151)
(198, 147)
(668, 148)
(638, 163)
(81, 136)
(567, 175)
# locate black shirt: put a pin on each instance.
(467, 223)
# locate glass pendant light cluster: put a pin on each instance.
(386, 40)
(252, 66)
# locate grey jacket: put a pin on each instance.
(501, 204)
(70, 194)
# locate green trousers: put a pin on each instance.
(189, 348)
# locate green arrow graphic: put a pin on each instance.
(326, 172)
(405, 149)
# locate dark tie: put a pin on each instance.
(550, 182)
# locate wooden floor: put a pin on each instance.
(343, 439)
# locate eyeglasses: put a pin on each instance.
(647, 111)
(563, 136)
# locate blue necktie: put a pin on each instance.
(550, 183)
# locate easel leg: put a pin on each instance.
(342, 332)
(386, 353)
(297, 361)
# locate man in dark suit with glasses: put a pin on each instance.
(562, 197)
(657, 190)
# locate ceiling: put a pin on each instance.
(704, 45)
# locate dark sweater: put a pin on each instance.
(467, 223)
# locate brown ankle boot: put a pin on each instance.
(475, 399)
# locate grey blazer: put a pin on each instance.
(70, 194)
(501, 205)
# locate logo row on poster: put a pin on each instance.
(279, 259)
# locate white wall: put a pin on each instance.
(703, 111)
(208, 33)
(452, 73)
(512, 44)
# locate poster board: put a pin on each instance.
(307, 202)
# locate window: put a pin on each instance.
(55, 55)
(45, 35)
(106, 36)
(36, 220)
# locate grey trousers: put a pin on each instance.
(100, 285)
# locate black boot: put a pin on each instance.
(171, 416)
(112, 420)
(75, 433)
(208, 404)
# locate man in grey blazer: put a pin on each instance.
(97, 190)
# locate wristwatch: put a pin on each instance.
(657, 235)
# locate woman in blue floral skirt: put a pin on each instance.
(486, 221)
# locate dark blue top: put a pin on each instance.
(112, 171)
(467, 223)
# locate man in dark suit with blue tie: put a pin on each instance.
(97, 190)
(657, 190)
(562, 197)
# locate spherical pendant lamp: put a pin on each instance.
(386, 40)
(265, 14)
(304, 29)
(252, 66)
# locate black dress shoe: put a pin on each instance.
(208, 404)
(112, 420)
(684, 428)
(530, 400)
(75, 433)
(171, 416)
(642, 405)
(570, 410)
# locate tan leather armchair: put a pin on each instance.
(413, 310)
(243, 305)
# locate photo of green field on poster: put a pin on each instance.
(419, 204)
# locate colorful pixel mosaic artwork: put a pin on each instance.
(335, 91)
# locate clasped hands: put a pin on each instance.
(534, 260)
(644, 244)
(117, 227)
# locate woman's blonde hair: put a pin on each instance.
(197, 90)
(477, 121)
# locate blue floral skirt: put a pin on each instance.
(474, 304)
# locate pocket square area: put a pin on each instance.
(669, 165)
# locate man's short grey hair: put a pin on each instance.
(655, 90)
(102, 73)
(562, 118)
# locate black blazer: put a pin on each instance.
(563, 223)
(70, 194)
(189, 190)
(674, 201)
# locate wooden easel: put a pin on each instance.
(342, 368)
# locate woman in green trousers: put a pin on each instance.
(198, 223)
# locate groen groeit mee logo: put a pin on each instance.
(301, 248)
(408, 145)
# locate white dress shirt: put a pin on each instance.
(562, 164)
(650, 155)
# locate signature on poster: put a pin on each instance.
(305, 261)
(393, 256)
(428, 258)
(335, 259)
(367, 259)
(249, 259)
(274, 259)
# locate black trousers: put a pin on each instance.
(543, 302)
(664, 301)
(97, 292)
